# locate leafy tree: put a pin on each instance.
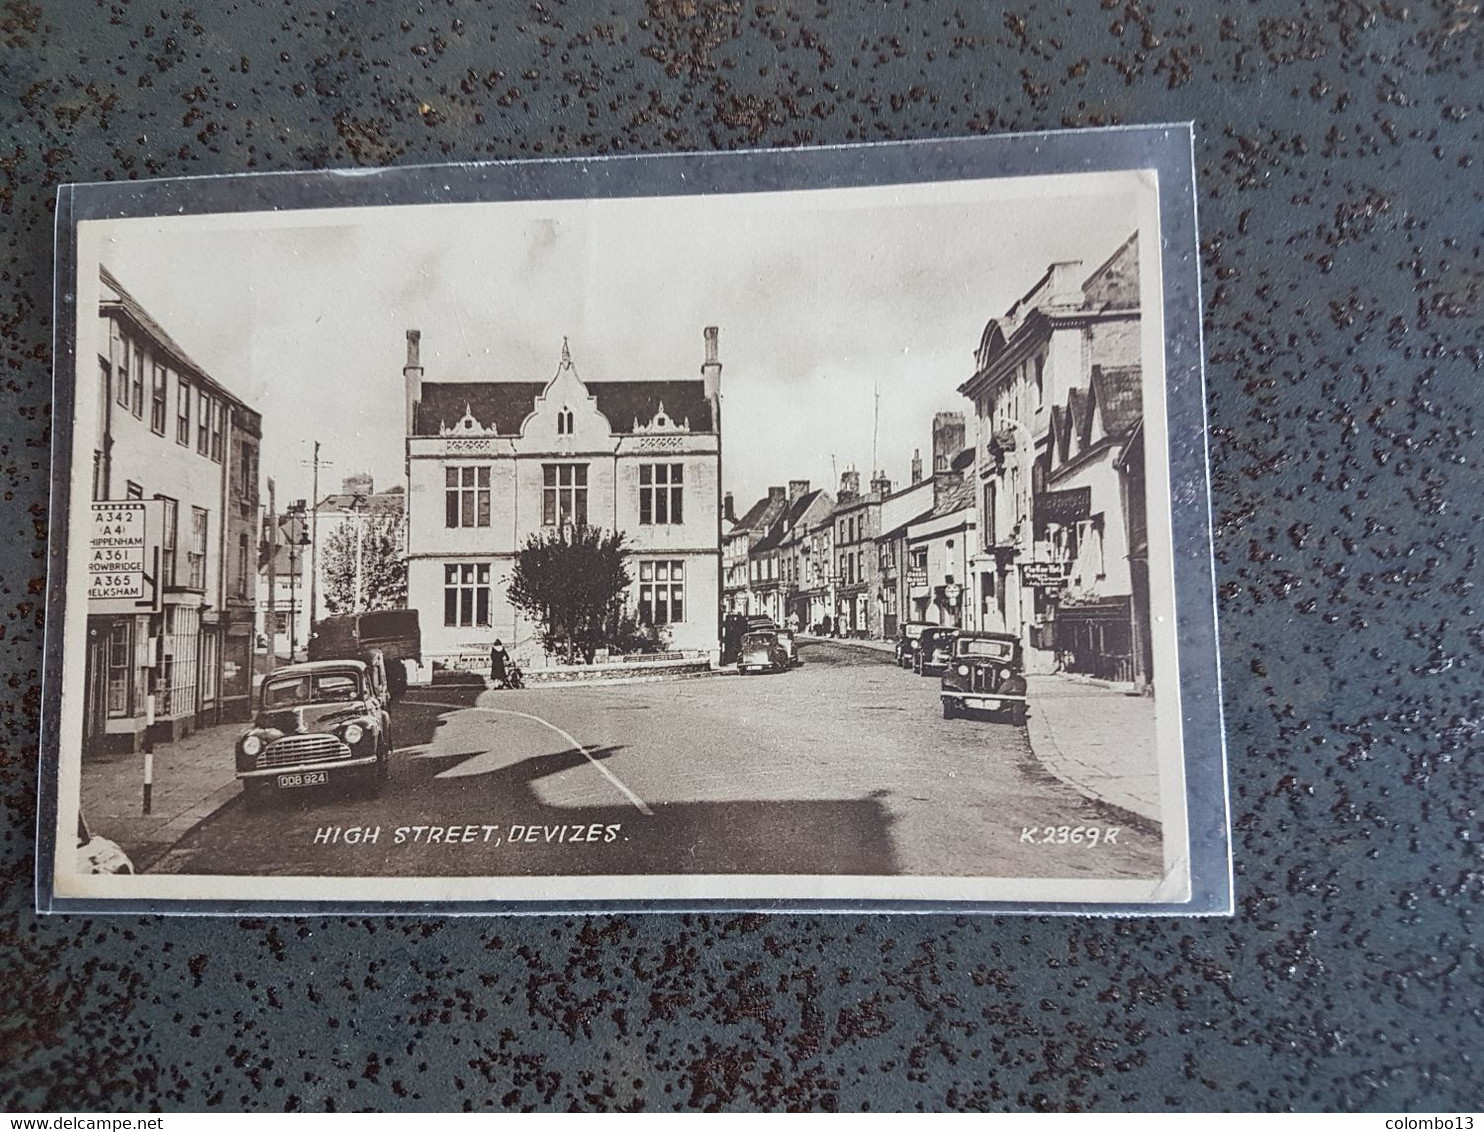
(383, 564)
(572, 580)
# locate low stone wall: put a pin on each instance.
(627, 669)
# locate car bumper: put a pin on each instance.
(757, 667)
(984, 701)
(337, 766)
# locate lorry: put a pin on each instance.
(394, 633)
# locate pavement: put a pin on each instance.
(193, 778)
(1096, 737)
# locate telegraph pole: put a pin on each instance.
(314, 538)
(271, 622)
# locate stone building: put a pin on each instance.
(492, 462)
(1057, 397)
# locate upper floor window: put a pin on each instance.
(661, 487)
(564, 421)
(1040, 380)
(169, 537)
(205, 407)
(136, 384)
(196, 553)
(564, 494)
(218, 430)
(183, 413)
(157, 407)
(466, 496)
(126, 363)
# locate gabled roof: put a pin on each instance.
(127, 306)
(504, 405)
(497, 405)
(1119, 397)
(626, 402)
(954, 497)
(762, 514)
(800, 506)
(770, 540)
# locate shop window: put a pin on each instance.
(121, 670)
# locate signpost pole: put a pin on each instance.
(149, 751)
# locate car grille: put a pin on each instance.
(294, 750)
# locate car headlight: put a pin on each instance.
(353, 733)
(999, 673)
(963, 669)
(251, 745)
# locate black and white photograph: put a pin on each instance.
(807, 545)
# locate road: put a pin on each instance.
(842, 766)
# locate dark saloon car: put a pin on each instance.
(762, 652)
(933, 649)
(908, 638)
(985, 673)
(320, 723)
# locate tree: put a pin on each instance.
(572, 580)
(371, 576)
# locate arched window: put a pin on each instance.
(564, 422)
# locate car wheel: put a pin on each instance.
(950, 709)
(1017, 715)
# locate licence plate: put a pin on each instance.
(308, 778)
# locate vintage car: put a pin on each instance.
(320, 723)
(907, 641)
(985, 673)
(790, 646)
(762, 652)
(933, 649)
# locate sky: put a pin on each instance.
(823, 299)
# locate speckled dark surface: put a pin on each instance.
(1339, 189)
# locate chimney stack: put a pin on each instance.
(850, 486)
(880, 485)
(711, 374)
(728, 508)
(948, 439)
(797, 488)
(412, 377)
(777, 493)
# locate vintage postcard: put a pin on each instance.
(823, 529)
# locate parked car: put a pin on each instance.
(394, 633)
(320, 723)
(933, 649)
(907, 641)
(98, 854)
(985, 673)
(734, 627)
(790, 646)
(762, 652)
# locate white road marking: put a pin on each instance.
(606, 773)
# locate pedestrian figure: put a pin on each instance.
(499, 665)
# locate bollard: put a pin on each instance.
(149, 751)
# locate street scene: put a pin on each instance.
(537, 607)
(595, 780)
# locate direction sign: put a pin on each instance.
(119, 557)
